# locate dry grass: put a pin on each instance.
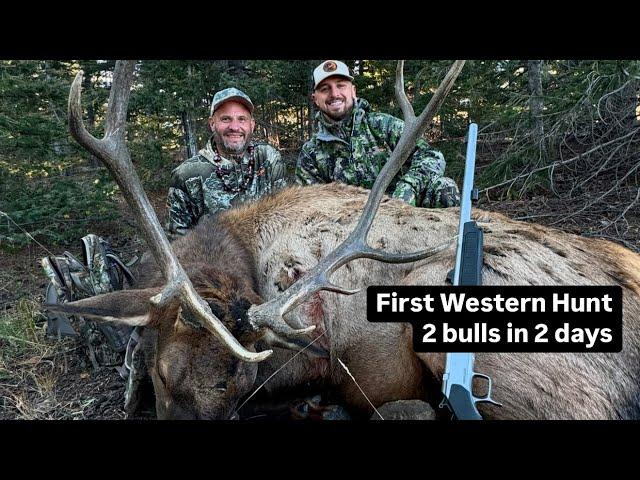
(48, 379)
(23, 368)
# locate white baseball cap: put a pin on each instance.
(330, 68)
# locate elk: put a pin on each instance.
(225, 306)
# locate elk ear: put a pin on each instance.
(130, 307)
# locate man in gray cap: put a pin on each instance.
(231, 167)
(353, 144)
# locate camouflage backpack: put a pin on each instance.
(101, 271)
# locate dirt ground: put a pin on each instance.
(53, 379)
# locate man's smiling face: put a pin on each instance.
(335, 97)
(232, 126)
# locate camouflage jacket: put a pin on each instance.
(355, 150)
(209, 182)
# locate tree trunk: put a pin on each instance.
(189, 136)
(301, 116)
(631, 98)
(536, 102)
(94, 162)
(237, 67)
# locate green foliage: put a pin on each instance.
(151, 140)
(55, 211)
(45, 188)
(51, 187)
(19, 333)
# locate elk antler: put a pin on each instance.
(113, 152)
(270, 314)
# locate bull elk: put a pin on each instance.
(267, 274)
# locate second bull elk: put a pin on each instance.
(266, 274)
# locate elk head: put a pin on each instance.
(195, 374)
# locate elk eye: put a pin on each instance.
(221, 386)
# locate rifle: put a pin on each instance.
(457, 382)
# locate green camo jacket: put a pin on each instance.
(209, 182)
(355, 150)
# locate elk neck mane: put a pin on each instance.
(256, 224)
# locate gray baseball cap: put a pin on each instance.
(231, 94)
(329, 68)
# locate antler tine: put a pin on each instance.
(401, 96)
(113, 152)
(270, 314)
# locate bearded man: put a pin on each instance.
(353, 143)
(231, 168)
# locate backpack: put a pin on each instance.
(100, 271)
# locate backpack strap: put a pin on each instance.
(123, 268)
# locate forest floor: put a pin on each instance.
(44, 378)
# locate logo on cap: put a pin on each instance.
(330, 67)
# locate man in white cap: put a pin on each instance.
(229, 169)
(353, 144)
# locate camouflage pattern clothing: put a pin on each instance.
(209, 182)
(354, 151)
